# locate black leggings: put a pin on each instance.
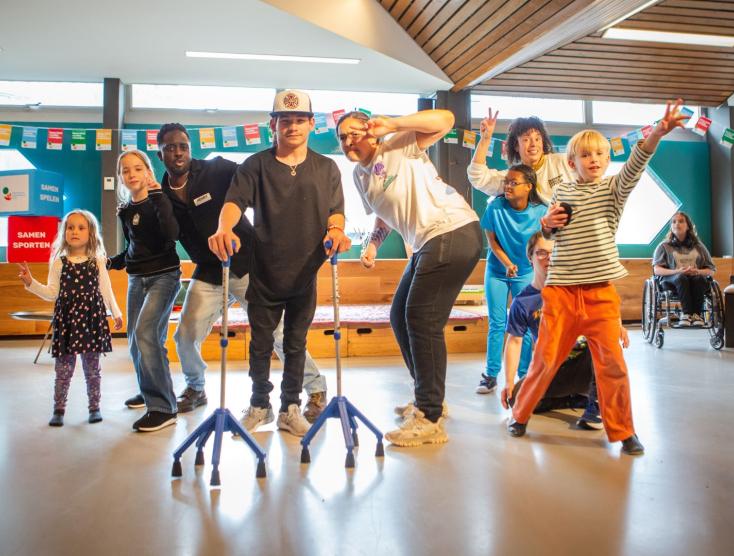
(689, 289)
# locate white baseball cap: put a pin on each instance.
(291, 101)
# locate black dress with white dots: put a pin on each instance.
(80, 317)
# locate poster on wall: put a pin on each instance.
(55, 139)
(31, 192)
(30, 238)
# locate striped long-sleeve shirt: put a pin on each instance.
(585, 251)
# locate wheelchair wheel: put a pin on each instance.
(648, 311)
(659, 338)
(716, 302)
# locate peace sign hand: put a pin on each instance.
(25, 273)
(487, 125)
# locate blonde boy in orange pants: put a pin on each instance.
(578, 298)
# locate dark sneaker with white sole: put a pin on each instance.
(57, 419)
(487, 385)
(516, 429)
(632, 446)
(95, 416)
(154, 421)
(190, 399)
(136, 402)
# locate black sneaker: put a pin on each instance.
(136, 402)
(486, 385)
(153, 421)
(190, 399)
(516, 429)
(632, 446)
(95, 416)
(57, 419)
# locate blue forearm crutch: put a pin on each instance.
(222, 419)
(339, 407)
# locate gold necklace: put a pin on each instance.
(293, 168)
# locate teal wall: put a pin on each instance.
(682, 165)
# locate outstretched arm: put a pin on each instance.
(429, 126)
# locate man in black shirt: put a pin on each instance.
(197, 189)
(299, 204)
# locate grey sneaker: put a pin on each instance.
(292, 421)
(253, 417)
(417, 430)
(403, 411)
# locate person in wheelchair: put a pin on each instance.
(683, 264)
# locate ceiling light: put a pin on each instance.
(665, 36)
(272, 58)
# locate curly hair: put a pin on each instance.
(519, 127)
(168, 128)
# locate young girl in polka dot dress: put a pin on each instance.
(79, 284)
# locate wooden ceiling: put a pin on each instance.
(553, 48)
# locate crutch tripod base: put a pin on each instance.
(340, 407)
(222, 419)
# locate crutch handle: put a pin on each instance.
(225, 264)
(328, 243)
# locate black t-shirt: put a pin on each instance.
(151, 231)
(198, 218)
(291, 215)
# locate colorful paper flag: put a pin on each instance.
(229, 137)
(78, 139)
(30, 135)
(702, 126)
(452, 137)
(103, 140)
(617, 146)
(5, 133)
(365, 111)
(469, 140)
(151, 139)
(727, 139)
(633, 136)
(128, 139)
(336, 114)
(687, 112)
(490, 150)
(646, 131)
(207, 140)
(269, 131)
(252, 134)
(55, 139)
(320, 124)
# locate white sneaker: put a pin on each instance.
(417, 430)
(404, 410)
(293, 421)
(253, 417)
(684, 320)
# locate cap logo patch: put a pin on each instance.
(290, 101)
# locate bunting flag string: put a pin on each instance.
(78, 139)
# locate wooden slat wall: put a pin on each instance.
(597, 68)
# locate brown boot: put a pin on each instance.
(314, 407)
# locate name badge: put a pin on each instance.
(202, 199)
(136, 219)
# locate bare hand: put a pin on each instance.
(368, 255)
(339, 242)
(221, 244)
(379, 127)
(671, 119)
(151, 184)
(25, 273)
(487, 125)
(506, 396)
(118, 323)
(556, 217)
(511, 271)
(624, 337)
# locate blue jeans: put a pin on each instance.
(202, 307)
(149, 303)
(496, 289)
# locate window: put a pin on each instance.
(48, 93)
(632, 113)
(547, 109)
(358, 223)
(194, 97)
(648, 209)
(387, 104)
(12, 159)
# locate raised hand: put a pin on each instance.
(151, 183)
(379, 126)
(25, 273)
(487, 125)
(672, 118)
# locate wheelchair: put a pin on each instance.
(661, 309)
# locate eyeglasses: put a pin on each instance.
(542, 254)
(513, 183)
(173, 147)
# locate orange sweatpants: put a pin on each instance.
(591, 310)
